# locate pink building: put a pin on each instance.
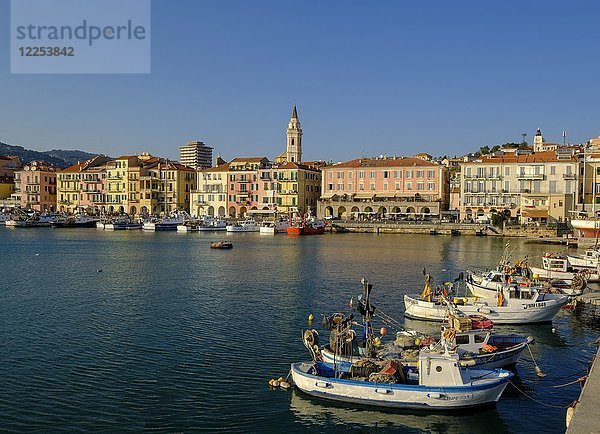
(399, 187)
(37, 186)
(83, 186)
(245, 189)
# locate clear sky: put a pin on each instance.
(369, 78)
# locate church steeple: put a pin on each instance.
(538, 141)
(294, 139)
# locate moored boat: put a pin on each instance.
(210, 223)
(438, 382)
(512, 304)
(555, 266)
(164, 224)
(308, 226)
(247, 225)
(274, 226)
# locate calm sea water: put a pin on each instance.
(173, 336)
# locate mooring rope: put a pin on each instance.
(537, 400)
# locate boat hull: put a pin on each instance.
(497, 359)
(589, 228)
(562, 275)
(403, 396)
(527, 313)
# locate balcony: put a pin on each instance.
(531, 176)
(288, 192)
(569, 176)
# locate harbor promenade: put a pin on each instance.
(585, 417)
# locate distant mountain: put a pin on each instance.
(58, 157)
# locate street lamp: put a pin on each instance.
(524, 135)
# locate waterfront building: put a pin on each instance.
(402, 187)
(589, 195)
(82, 187)
(243, 193)
(297, 189)
(164, 186)
(8, 166)
(37, 186)
(196, 154)
(535, 187)
(121, 188)
(210, 195)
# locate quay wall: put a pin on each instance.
(584, 418)
(440, 228)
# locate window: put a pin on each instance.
(397, 186)
(553, 186)
(506, 186)
(340, 175)
(431, 174)
(349, 175)
(430, 186)
(386, 174)
(397, 174)
(372, 186)
(420, 186)
(409, 174)
(350, 187)
(420, 173)
(361, 175)
(552, 170)
(330, 174)
(373, 174)
(340, 187)
(507, 171)
(330, 186)
(361, 186)
(409, 185)
(385, 186)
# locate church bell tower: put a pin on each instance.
(294, 139)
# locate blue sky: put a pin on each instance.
(369, 78)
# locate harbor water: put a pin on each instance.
(131, 331)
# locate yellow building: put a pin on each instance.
(121, 189)
(298, 188)
(164, 186)
(210, 195)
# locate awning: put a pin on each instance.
(262, 211)
(328, 196)
(364, 195)
(386, 194)
(534, 213)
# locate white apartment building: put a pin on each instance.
(540, 187)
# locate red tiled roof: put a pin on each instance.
(248, 159)
(538, 157)
(385, 162)
(293, 165)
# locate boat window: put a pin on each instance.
(438, 368)
(479, 338)
(461, 340)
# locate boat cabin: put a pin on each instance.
(555, 263)
(439, 369)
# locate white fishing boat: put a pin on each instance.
(512, 304)
(123, 222)
(273, 227)
(438, 382)
(589, 259)
(210, 223)
(558, 267)
(481, 348)
(248, 225)
(164, 224)
(488, 284)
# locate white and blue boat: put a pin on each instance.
(438, 382)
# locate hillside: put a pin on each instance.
(58, 157)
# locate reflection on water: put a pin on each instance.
(174, 336)
(318, 414)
